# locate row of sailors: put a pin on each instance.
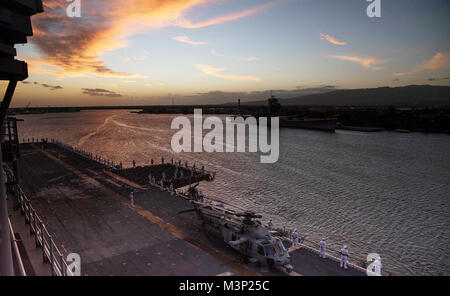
(323, 247)
(177, 165)
(164, 178)
(152, 181)
(108, 163)
(33, 140)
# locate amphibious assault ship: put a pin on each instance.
(69, 201)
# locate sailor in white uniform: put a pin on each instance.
(374, 268)
(323, 248)
(132, 198)
(378, 266)
(295, 238)
(344, 256)
(270, 225)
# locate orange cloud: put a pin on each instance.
(331, 39)
(186, 39)
(72, 46)
(371, 63)
(216, 72)
(438, 61)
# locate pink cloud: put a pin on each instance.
(331, 39)
(186, 39)
(371, 63)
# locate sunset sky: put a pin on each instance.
(137, 52)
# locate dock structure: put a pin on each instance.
(87, 210)
(176, 173)
(166, 172)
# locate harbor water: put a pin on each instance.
(384, 192)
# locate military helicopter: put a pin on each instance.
(240, 230)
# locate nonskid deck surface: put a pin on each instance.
(89, 213)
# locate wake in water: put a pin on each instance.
(91, 134)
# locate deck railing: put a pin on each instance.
(43, 239)
(15, 248)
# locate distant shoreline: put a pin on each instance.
(366, 119)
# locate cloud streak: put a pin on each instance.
(438, 79)
(100, 92)
(249, 59)
(217, 72)
(51, 87)
(186, 39)
(331, 39)
(438, 61)
(230, 17)
(371, 63)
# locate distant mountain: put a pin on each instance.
(407, 96)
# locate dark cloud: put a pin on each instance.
(322, 87)
(438, 79)
(397, 79)
(52, 87)
(99, 92)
